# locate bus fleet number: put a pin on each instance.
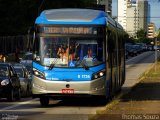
(83, 76)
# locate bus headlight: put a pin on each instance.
(101, 74)
(38, 73)
(5, 82)
(98, 74)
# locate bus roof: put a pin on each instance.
(72, 16)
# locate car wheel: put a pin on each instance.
(11, 95)
(18, 94)
(28, 93)
(44, 101)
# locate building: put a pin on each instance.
(132, 19)
(107, 4)
(137, 16)
(149, 13)
(142, 7)
(151, 30)
(122, 13)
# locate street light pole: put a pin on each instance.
(156, 34)
(155, 53)
(40, 7)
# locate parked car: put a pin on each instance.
(143, 46)
(138, 48)
(24, 77)
(131, 50)
(9, 82)
(157, 47)
(150, 47)
(126, 54)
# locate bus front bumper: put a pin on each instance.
(41, 87)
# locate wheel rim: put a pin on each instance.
(11, 96)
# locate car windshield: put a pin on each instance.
(19, 71)
(27, 57)
(67, 52)
(4, 71)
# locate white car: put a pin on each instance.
(26, 60)
(24, 77)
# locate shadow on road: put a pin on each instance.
(92, 102)
(143, 91)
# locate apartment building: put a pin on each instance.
(137, 16)
(122, 12)
(132, 19)
(142, 6)
(107, 4)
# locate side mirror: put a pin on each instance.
(37, 58)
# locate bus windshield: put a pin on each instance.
(69, 52)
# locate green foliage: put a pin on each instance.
(18, 15)
(158, 37)
(128, 39)
(141, 37)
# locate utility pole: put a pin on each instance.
(151, 34)
(156, 35)
(155, 53)
(41, 6)
(28, 37)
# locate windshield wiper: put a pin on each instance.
(52, 64)
(84, 64)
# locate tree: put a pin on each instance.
(158, 35)
(18, 15)
(141, 37)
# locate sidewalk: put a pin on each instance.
(141, 103)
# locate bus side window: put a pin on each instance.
(110, 45)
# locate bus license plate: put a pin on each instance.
(68, 91)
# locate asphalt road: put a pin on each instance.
(28, 108)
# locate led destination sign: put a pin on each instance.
(68, 30)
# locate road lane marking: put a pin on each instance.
(17, 105)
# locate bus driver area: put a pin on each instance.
(64, 56)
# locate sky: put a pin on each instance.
(154, 11)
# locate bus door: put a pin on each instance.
(112, 61)
(115, 63)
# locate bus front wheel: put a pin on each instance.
(44, 101)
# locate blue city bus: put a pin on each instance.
(77, 53)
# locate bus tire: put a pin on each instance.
(18, 94)
(44, 101)
(110, 94)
